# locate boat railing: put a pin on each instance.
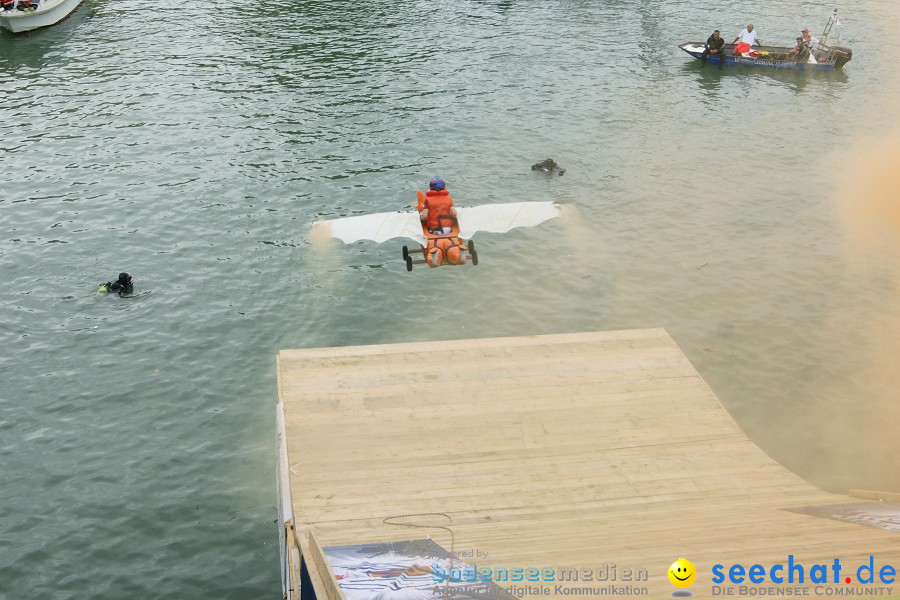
(832, 20)
(825, 52)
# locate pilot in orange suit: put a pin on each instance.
(438, 210)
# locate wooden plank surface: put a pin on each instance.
(572, 450)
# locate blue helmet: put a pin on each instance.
(437, 184)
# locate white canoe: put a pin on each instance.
(48, 12)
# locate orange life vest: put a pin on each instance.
(450, 250)
(438, 204)
(453, 251)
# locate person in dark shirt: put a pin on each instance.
(122, 286)
(714, 46)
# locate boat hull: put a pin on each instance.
(49, 13)
(771, 58)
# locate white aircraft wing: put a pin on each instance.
(379, 227)
(500, 218)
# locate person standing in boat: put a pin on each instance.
(747, 38)
(714, 46)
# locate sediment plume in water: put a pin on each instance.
(867, 391)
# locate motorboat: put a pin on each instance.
(24, 15)
(823, 56)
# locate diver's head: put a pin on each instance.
(124, 278)
(437, 184)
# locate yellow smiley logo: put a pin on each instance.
(682, 573)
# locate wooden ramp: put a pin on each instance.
(561, 451)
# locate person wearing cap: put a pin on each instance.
(714, 45)
(122, 286)
(806, 44)
(438, 212)
(748, 39)
(810, 40)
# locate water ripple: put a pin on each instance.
(193, 145)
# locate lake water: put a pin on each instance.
(754, 215)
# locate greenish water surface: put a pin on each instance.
(192, 145)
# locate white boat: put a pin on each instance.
(40, 13)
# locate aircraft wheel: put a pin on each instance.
(408, 261)
(473, 254)
(405, 252)
(471, 246)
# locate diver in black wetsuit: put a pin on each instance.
(122, 286)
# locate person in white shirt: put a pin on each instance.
(806, 44)
(810, 40)
(747, 36)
